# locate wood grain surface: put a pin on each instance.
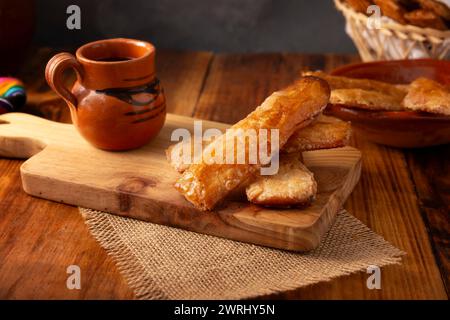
(139, 183)
(403, 195)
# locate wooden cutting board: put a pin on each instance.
(139, 183)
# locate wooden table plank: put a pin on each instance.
(182, 75)
(40, 239)
(430, 171)
(385, 199)
(238, 83)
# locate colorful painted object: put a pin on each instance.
(12, 94)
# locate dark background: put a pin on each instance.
(219, 25)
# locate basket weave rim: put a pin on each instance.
(408, 28)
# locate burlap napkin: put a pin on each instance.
(161, 262)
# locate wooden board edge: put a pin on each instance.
(31, 183)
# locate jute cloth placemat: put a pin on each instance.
(161, 262)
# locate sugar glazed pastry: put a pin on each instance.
(392, 9)
(422, 94)
(365, 99)
(359, 5)
(205, 185)
(428, 95)
(425, 19)
(323, 133)
(339, 82)
(292, 186)
(363, 93)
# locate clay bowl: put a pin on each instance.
(405, 129)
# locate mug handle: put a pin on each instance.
(54, 75)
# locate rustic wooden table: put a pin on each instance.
(403, 195)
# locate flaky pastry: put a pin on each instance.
(429, 96)
(293, 185)
(338, 82)
(323, 133)
(365, 99)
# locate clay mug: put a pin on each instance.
(117, 102)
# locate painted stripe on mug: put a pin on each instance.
(134, 113)
(150, 117)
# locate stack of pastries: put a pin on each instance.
(296, 112)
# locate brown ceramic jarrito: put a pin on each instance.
(117, 102)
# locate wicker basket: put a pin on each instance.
(393, 41)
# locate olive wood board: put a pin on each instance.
(63, 167)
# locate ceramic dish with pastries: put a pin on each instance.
(404, 103)
(398, 29)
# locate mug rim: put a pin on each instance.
(82, 58)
